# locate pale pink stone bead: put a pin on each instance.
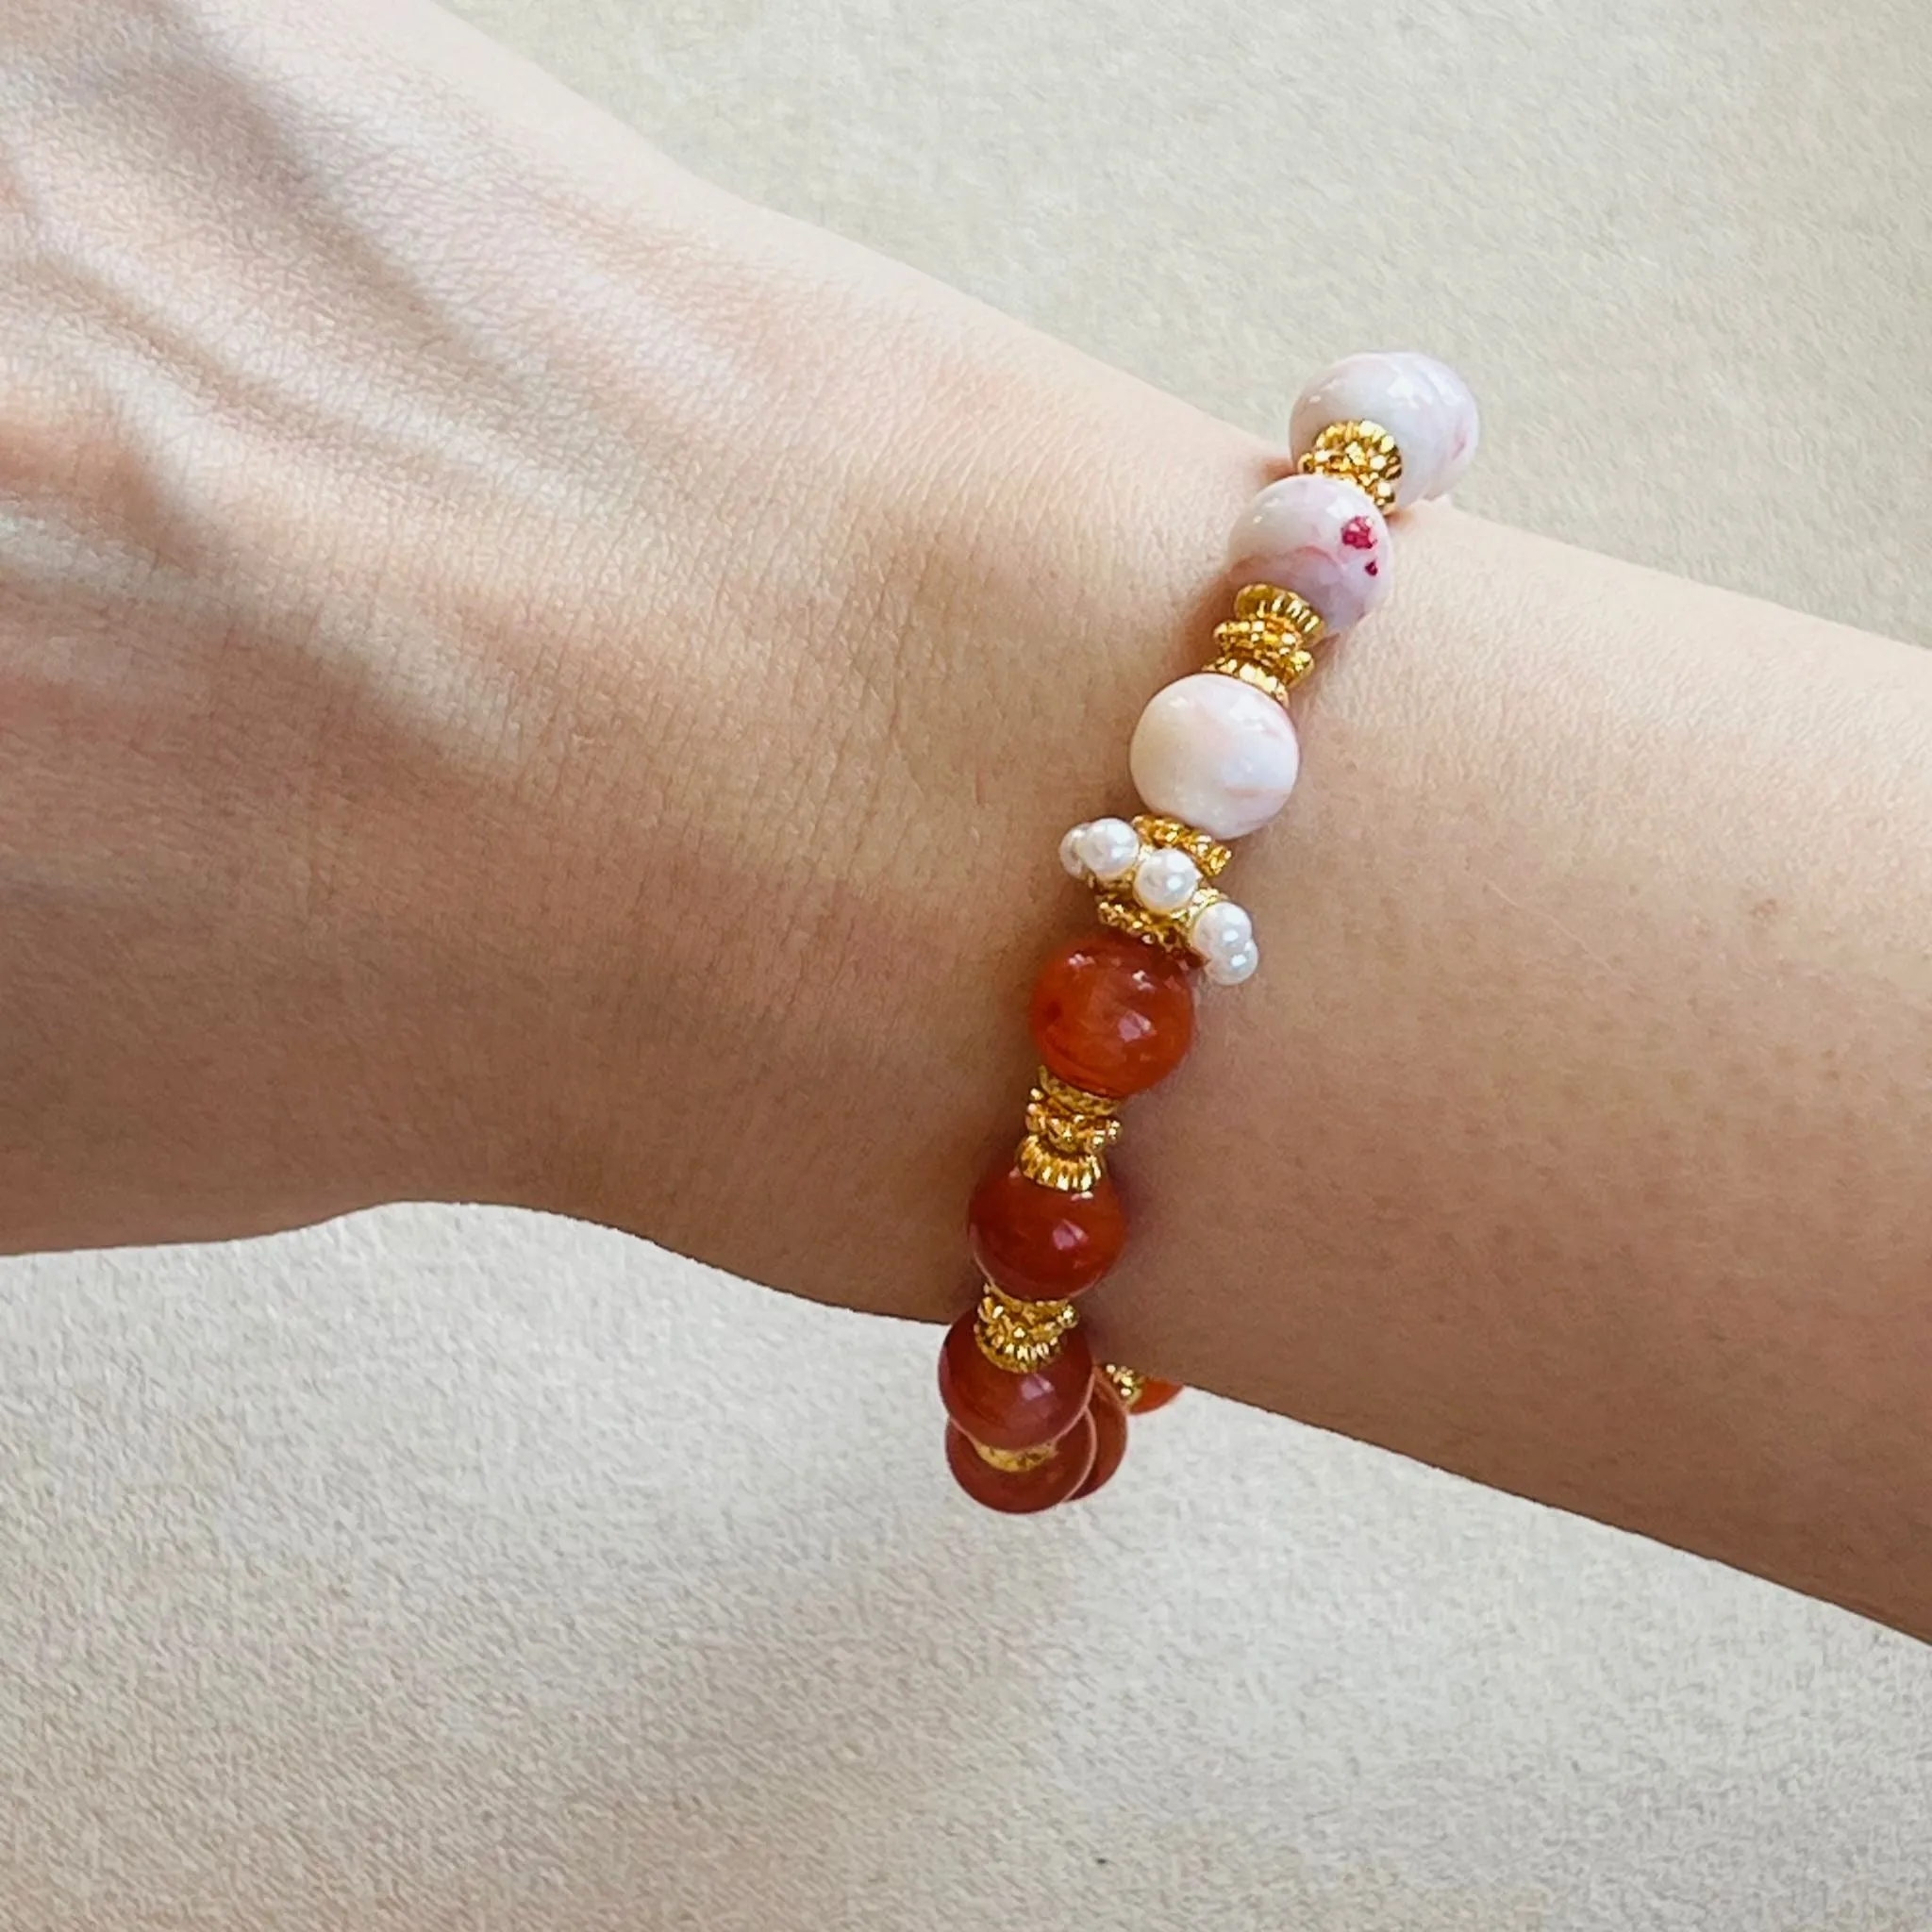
(1215, 753)
(1422, 403)
(1319, 537)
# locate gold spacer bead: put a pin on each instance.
(1260, 677)
(1168, 930)
(1017, 1462)
(1065, 1173)
(1176, 836)
(1270, 603)
(1127, 1383)
(1068, 1130)
(1360, 453)
(1269, 641)
(1071, 1118)
(1018, 1336)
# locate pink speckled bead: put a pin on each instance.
(1214, 753)
(1322, 538)
(1422, 403)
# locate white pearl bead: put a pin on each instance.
(1215, 753)
(1238, 966)
(1164, 881)
(1070, 853)
(1422, 403)
(1109, 848)
(1220, 929)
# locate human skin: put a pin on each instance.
(524, 679)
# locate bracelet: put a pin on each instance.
(1031, 1422)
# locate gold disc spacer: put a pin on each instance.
(1279, 609)
(1020, 1336)
(1360, 453)
(1269, 641)
(1168, 930)
(1065, 1173)
(1068, 1131)
(1273, 684)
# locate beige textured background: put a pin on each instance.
(448, 1571)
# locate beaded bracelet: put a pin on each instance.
(1031, 1422)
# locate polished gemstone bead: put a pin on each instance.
(1023, 1491)
(1113, 1014)
(1109, 1417)
(1155, 1393)
(1319, 538)
(1008, 1410)
(1422, 403)
(1038, 1245)
(1214, 753)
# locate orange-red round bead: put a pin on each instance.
(1023, 1491)
(1006, 1409)
(1155, 1393)
(1113, 1014)
(1039, 1244)
(1109, 1415)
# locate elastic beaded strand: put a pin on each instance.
(1034, 1422)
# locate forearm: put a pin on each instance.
(1582, 1146)
(1573, 1137)
(581, 713)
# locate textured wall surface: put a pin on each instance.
(447, 1569)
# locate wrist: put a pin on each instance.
(812, 1008)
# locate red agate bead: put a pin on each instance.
(1023, 1491)
(1109, 1415)
(1038, 1245)
(1113, 1014)
(1155, 1393)
(1006, 1409)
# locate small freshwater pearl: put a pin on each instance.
(1322, 538)
(1164, 880)
(1422, 403)
(1070, 853)
(1215, 753)
(1238, 966)
(1109, 848)
(1220, 930)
